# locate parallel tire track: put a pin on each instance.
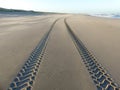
(26, 76)
(99, 75)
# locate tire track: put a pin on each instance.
(98, 73)
(26, 76)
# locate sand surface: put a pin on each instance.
(62, 67)
(102, 37)
(17, 42)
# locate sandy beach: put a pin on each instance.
(62, 66)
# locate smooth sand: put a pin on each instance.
(62, 67)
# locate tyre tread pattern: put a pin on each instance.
(26, 76)
(101, 78)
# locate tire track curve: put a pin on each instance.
(101, 78)
(26, 76)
